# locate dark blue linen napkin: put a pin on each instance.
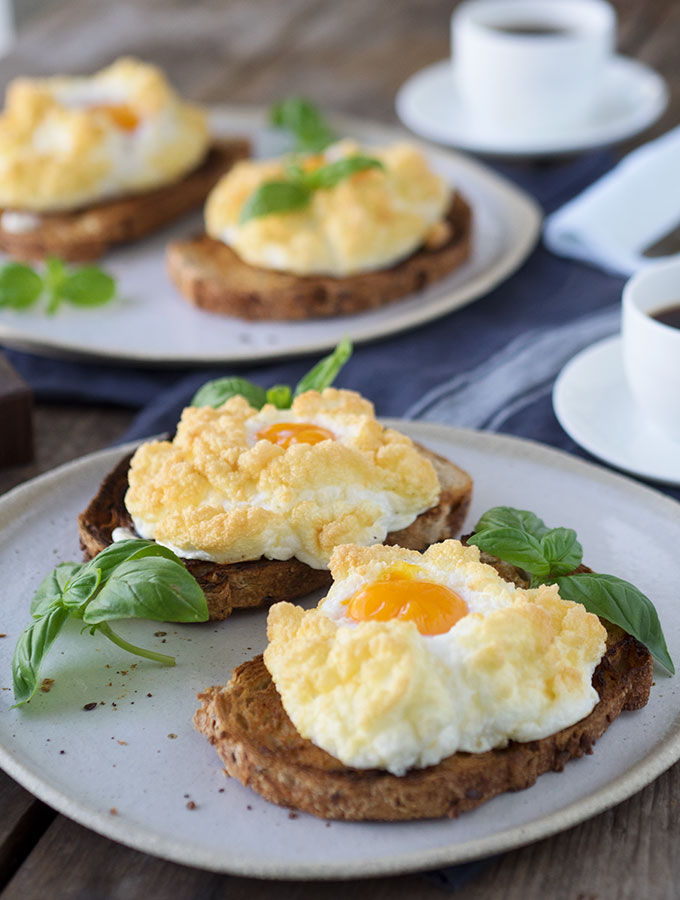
(490, 365)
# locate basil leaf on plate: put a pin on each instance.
(121, 551)
(562, 550)
(621, 603)
(20, 286)
(216, 392)
(52, 587)
(148, 588)
(80, 588)
(332, 174)
(509, 517)
(87, 286)
(517, 547)
(325, 371)
(273, 197)
(32, 647)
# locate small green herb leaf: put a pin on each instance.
(52, 587)
(280, 396)
(121, 551)
(621, 603)
(88, 286)
(515, 546)
(32, 647)
(509, 517)
(325, 371)
(149, 588)
(215, 393)
(562, 550)
(330, 175)
(275, 196)
(304, 121)
(20, 286)
(81, 587)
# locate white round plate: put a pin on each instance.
(632, 96)
(142, 757)
(595, 407)
(151, 324)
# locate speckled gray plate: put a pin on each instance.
(151, 323)
(138, 754)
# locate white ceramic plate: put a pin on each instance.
(122, 756)
(631, 97)
(151, 323)
(595, 407)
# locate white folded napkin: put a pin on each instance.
(626, 211)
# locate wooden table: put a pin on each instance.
(351, 56)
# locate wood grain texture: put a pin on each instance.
(351, 56)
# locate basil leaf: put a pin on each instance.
(515, 547)
(20, 286)
(52, 587)
(304, 121)
(332, 174)
(509, 517)
(215, 393)
(148, 588)
(325, 371)
(121, 551)
(31, 649)
(275, 197)
(562, 550)
(280, 395)
(87, 286)
(80, 588)
(621, 603)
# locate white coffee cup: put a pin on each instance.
(527, 68)
(651, 349)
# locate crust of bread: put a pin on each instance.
(87, 233)
(210, 275)
(259, 746)
(262, 582)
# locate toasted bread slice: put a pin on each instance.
(259, 746)
(87, 233)
(262, 582)
(212, 276)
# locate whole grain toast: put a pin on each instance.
(212, 276)
(87, 233)
(261, 582)
(259, 745)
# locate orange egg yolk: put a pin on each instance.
(434, 608)
(286, 433)
(123, 116)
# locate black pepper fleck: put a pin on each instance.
(191, 805)
(89, 706)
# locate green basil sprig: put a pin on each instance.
(296, 192)
(322, 375)
(520, 538)
(304, 121)
(130, 579)
(21, 286)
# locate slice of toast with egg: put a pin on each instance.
(259, 745)
(87, 233)
(213, 277)
(261, 582)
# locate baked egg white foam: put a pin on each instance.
(379, 694)
(220, 491)
(368, 221)
(69, 142)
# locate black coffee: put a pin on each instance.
(669, 315)
(531, 29)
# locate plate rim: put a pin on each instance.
(518, 205)
(661, 757)
(636, 123)
(604, 345)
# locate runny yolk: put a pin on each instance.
(434, 608)
(123, 116)
(286, 433)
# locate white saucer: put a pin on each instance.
(632, 96)
(593, 404)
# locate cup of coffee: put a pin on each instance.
(527, 68)
(650, 331)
